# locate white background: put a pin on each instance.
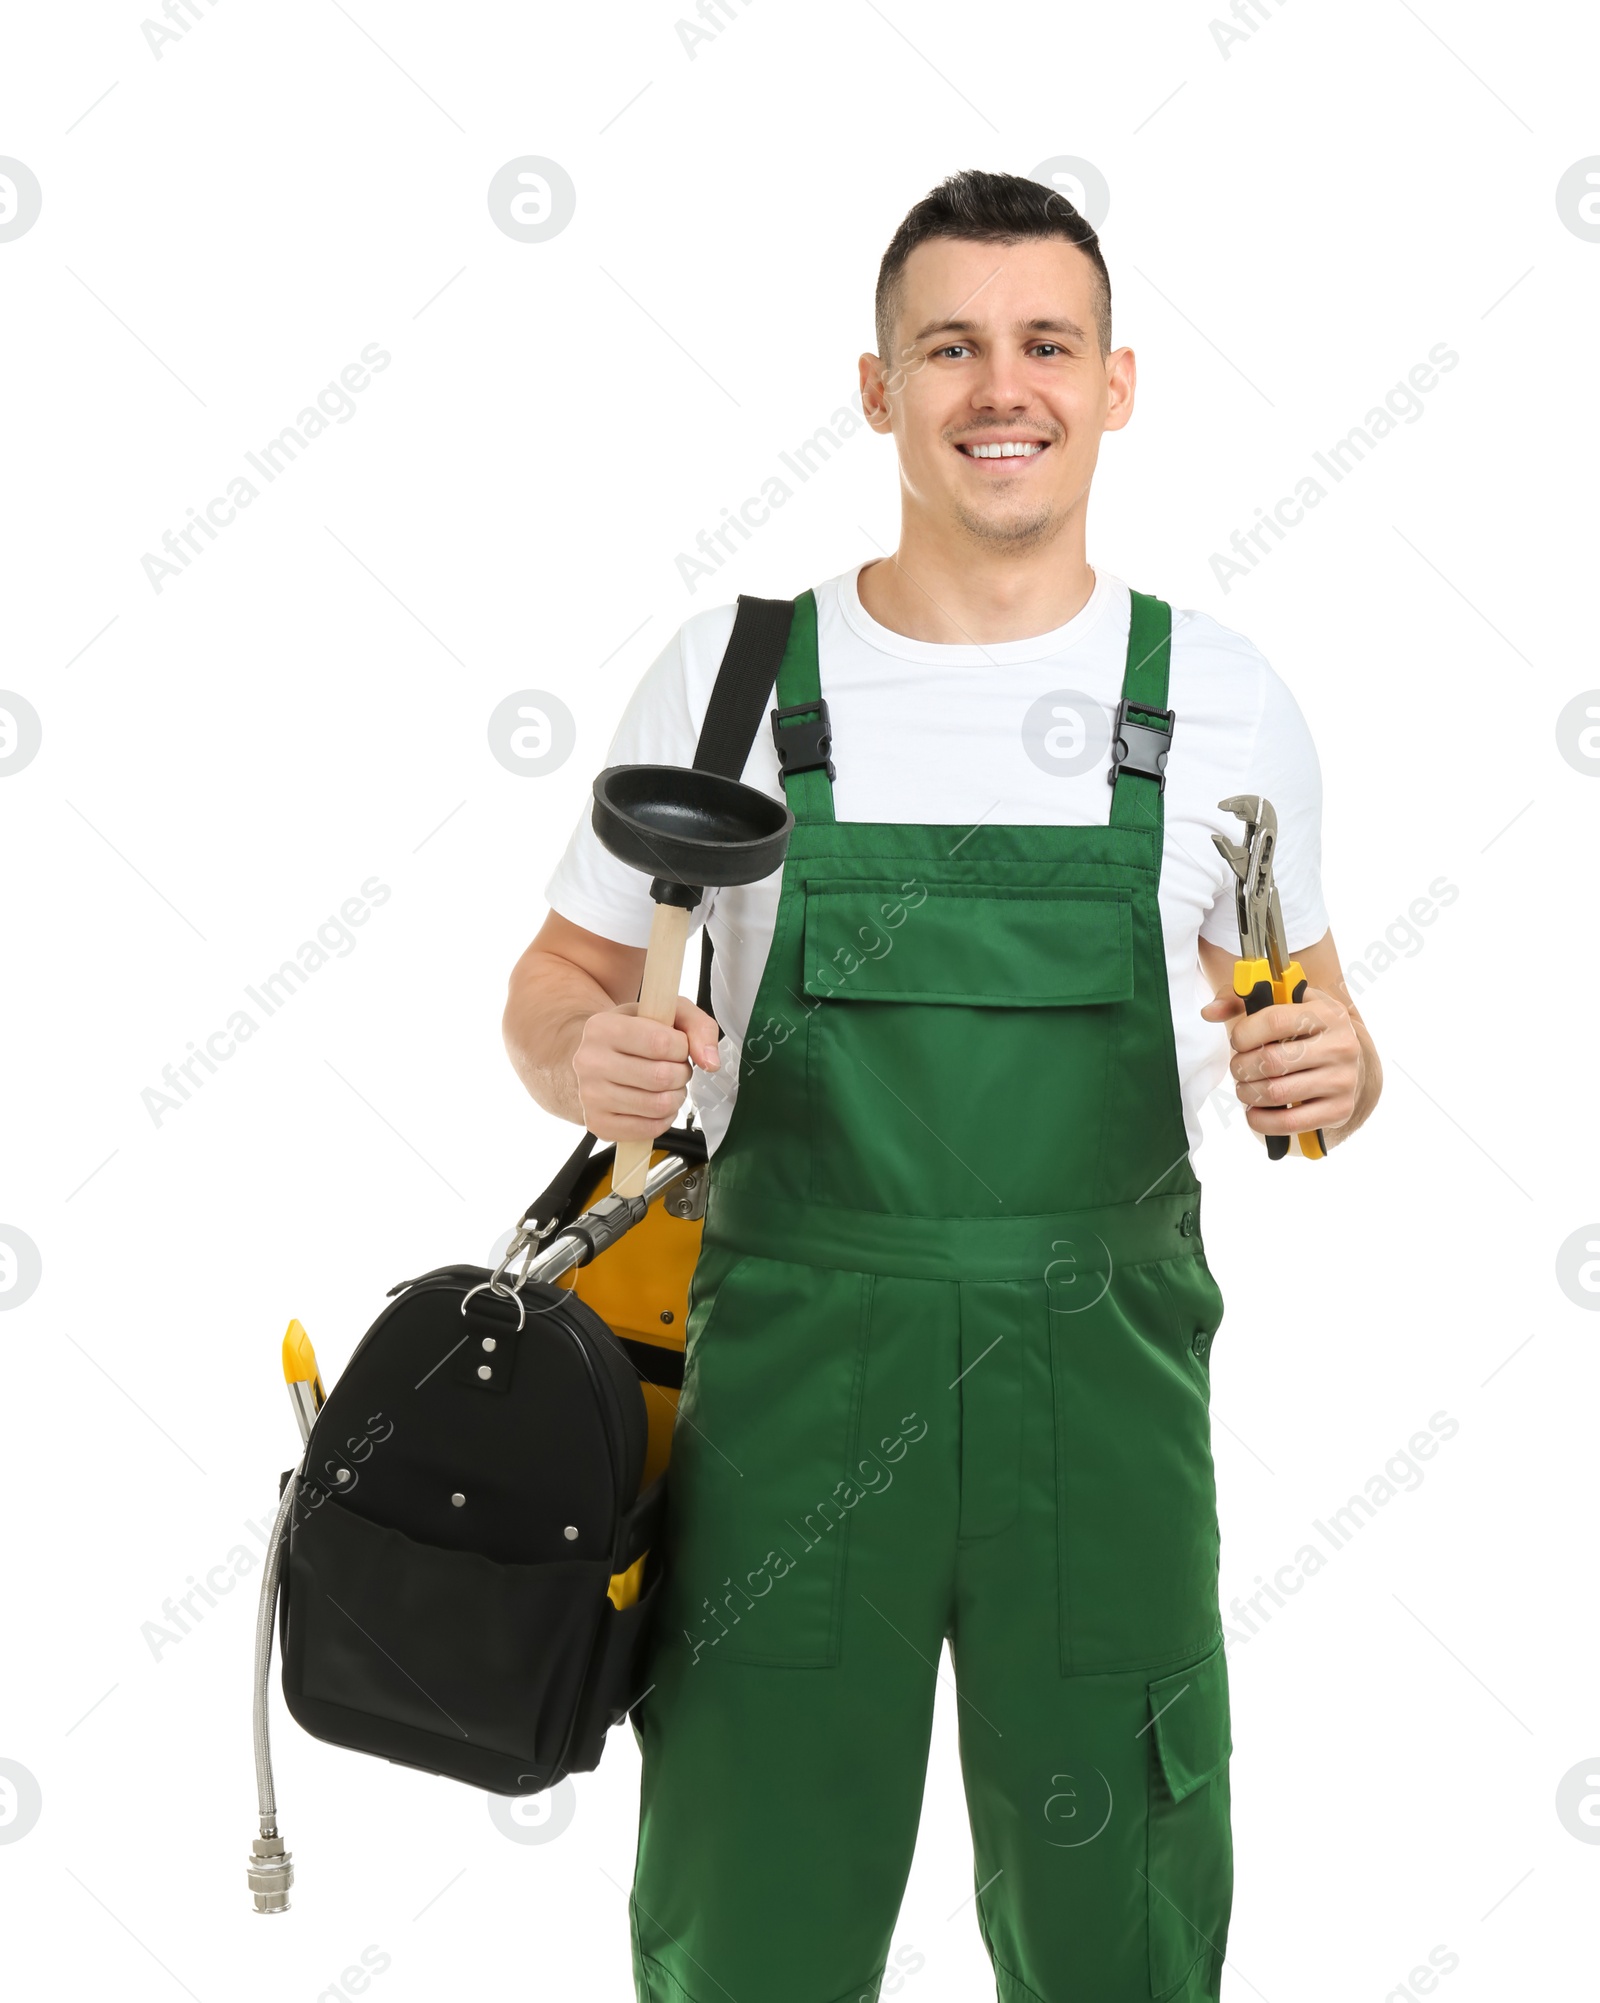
(1292, 227)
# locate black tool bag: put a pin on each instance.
(465, 1564)
(470, 1492)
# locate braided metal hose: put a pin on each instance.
(271, 1869)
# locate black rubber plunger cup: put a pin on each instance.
(686, 830)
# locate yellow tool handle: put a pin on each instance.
(300, 1362)
(1291, 987)
(624, 1587)
(1255, 987)
(1252, 983)
(301, 1375)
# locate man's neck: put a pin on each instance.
(955, 591)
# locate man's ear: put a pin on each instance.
(874, 393)
(1121, 376)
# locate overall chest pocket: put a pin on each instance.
(960, 1040)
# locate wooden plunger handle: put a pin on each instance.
(658, 999)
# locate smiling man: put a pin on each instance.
(947, 1363)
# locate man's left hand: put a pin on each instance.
(1316, 1053)
(1297, 1065)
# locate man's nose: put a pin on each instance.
(1002, 383)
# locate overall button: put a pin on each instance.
(1188, 1224)
(1201, 1343)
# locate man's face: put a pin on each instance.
(995, 347)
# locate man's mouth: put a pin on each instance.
(1008, 448)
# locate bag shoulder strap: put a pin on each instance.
(558, 1200)
(552, 1200)
(744, 682)
(733, 716)
(738, 702)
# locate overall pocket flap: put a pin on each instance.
(1041, 947)
(1191, 1724)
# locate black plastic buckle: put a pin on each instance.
(1140, 748)
(803, 747)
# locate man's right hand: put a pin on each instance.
(633, 1073)
(579, 1044)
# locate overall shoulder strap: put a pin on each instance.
(1144, 725)
(738, 703)
(801, 729)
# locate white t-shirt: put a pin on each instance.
(997, 733)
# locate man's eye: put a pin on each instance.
(955, 348)
(1048, 348)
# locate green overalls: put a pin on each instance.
(946, 1377)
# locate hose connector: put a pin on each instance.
(271, 1874)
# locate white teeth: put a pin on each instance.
(1024, 450)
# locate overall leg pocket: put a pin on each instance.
(1136, 1494)
(759, 1495)
(1189, 1854)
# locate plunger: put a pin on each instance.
(687, 829)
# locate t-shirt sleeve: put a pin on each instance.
(1284, 769)
(660, 726)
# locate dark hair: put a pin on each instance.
(988, 208)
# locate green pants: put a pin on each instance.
(946, 1377)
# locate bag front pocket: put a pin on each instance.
(620, 1676)
(1189, 1854)
(448, 1643)
(954, 1033)
(758, 1495)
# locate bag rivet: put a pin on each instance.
(488, 1342)
(570, 1532)
(666, 1314)
(458, 1499)
(342, 1474)
(484, 1370)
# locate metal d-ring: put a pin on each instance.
(488, 1286)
